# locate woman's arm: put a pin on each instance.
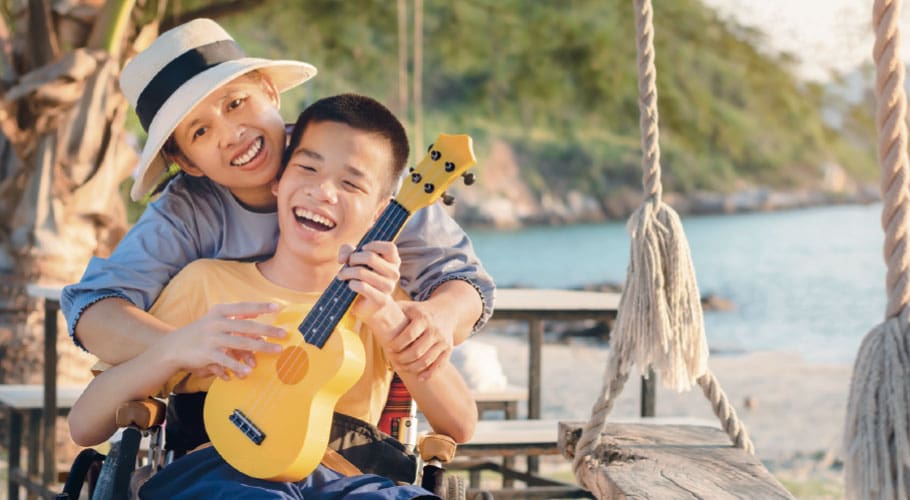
(105, 311)
(434, 249)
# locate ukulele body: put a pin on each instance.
(275, 423)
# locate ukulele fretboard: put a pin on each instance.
(338, 297)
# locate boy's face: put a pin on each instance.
(334, 187)
(235, 137)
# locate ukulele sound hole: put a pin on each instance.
(293, 365)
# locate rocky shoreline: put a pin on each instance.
(503, 199)
(496, 212)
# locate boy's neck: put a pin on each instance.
(294, 274)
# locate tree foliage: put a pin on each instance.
(558, 81)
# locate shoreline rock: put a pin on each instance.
(498, 212)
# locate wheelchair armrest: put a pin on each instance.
(143, 414)
(436, 447)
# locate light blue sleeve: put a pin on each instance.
(435, 249)
(186, 223)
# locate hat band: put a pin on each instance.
(179, 71)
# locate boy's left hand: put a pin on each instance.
(372, 272)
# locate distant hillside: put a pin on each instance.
(549, 92)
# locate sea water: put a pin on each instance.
(810, 280)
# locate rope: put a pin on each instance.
(876, 427)
(725, 412)
(615, 377)
(659, 322)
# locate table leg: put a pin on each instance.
(511, 410)
(535, 330)
(649, 394)
(14, 440)
(51, 307)
(33, 444)
(474, 478)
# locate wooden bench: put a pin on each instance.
(24, 407)
(671, 461)
(532, 438)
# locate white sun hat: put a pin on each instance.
(179, 69)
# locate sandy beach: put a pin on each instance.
(794, 414)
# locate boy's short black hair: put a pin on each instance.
(359, 112)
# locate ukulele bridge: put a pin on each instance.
(247, 427)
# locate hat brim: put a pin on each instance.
(152, 166)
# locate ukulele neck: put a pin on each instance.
(338, 297)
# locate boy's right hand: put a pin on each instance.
(226, 338)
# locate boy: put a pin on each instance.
(347, 151)
(214, 112)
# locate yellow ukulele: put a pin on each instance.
(275, 423)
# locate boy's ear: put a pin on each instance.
(273, 185)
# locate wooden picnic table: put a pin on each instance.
(51, 296)
(538, 305)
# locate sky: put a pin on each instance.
(823, 34)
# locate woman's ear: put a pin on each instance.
(185, 164)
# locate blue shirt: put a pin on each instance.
(196, 218)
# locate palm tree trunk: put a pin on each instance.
(62, 159)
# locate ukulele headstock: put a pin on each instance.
(448, 158)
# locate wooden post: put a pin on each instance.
(418, 78)
(402, 60)
(33, 444)
(535, 329)
(50, 391)
(14, 438)
(649, 394)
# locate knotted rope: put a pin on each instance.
(876, 428)
(660, 322)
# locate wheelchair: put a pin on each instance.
(119, 473)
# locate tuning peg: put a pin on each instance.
(469, 178)
(448, 199)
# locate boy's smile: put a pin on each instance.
(332, 190)
(313, 221)
(235, 137)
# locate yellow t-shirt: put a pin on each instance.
(207, 282)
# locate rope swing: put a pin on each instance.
(876, 428)
(659, 322)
